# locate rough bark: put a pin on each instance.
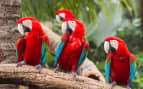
(10, 12)
(47, 79)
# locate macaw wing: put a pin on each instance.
(20, 49)
(58, 51)
(132, 68)
(45, 51)
(107, 67)
(83, 54)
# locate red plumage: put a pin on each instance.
(68, 14)
(21, 44)
(120, 62)
(30, 47)
(72, 50)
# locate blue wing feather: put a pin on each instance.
(58, 52)
(82, 58)
(44, 55)
(132, 72)
(16, 53)
(107, 71)
(83, 54)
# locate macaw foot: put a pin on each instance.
(39, 67)
(57, 68)
(74, 74)
(113, 84)
(128, 87)
(21, 63)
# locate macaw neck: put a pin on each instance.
(122, 52)
(35, 34)
(66, 36)
(78, 35)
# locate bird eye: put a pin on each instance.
(114, 43)
(27, 23)
(62, 15)
(72, 24)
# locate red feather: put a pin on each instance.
(21, 44)
(71, 52)
(120, 62)
(33, 42)
(68, 14)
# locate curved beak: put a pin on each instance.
(22, 29)
(66, 28)
(58, 18)
(69, 30)
(108, 47)
(111, 49)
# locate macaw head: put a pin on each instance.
(29, 25)
(63, 14)
(115, 45)
(74, 27)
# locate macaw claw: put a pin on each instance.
(113, 84)
(21, 63)
(57, 68)
(128, 87)
(74, 74)
(39, 67)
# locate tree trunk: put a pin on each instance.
(47, 79)
(10, 12)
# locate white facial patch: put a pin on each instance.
(62, 15)
(64, 27)
(20, 29)
(114, 44)
(27, 23)
(106, 46)
(57, 18)
(72, 25)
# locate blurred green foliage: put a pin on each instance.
(102, 18)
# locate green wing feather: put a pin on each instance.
(45, 53)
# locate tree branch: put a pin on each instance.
(47, 79)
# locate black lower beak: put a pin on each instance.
(61, 18)
(69, 30)
(26, 29)
(111, 49)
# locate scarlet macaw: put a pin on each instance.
(33, 48)
(120, 65)
(72, 50)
